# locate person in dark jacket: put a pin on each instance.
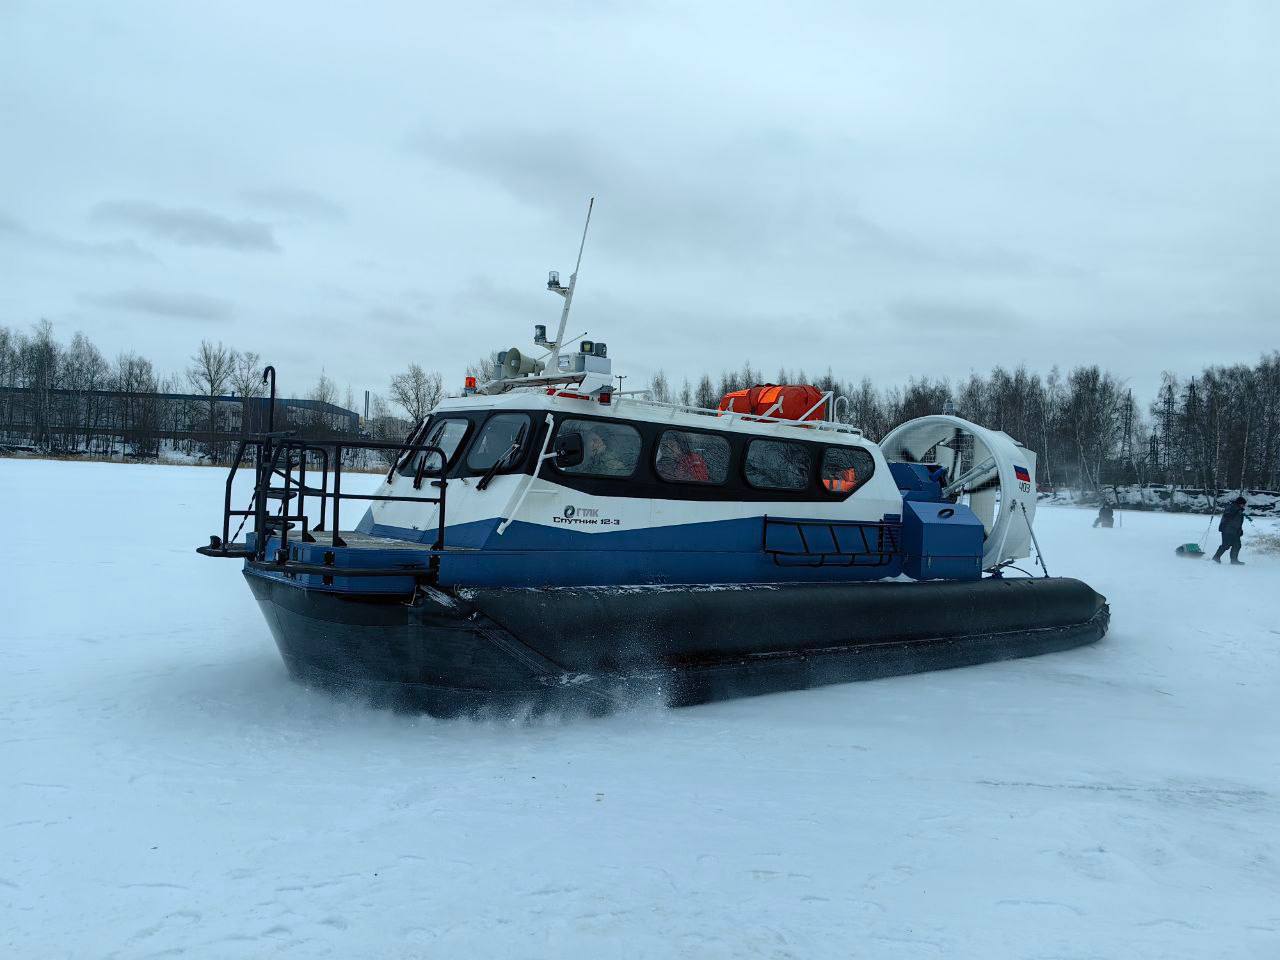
(1106, 516)
(1231, 527)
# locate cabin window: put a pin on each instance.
(447, 433)
(845, 469)
(687, 457)
(608, 449)
(502, 438)
(777, 465)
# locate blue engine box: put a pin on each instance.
(941, 541)
(919, 481)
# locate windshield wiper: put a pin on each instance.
(500, 462)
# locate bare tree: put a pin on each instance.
(246, 374)
(705, 396)
(659, 388)
(39, 357)
(8, 379)
(385, 426)
(324, 392)
(482, 369)
(85, 371)
(137, 413)
(246, 382)
(211, 369)
(417, 391)
(209, 374)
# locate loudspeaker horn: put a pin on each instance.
(514, 364)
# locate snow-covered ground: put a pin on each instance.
(167, 790)
(1173, 499)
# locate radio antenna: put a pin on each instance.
(553, 284)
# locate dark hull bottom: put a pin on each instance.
(597, 649)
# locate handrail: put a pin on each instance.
(564, 391)
(280, 455)
(270, 372)
(271, 446)
(231, 476)
(823, 400)
(631, 396)
(747, 417)
(879, 553)
(514, 505)
(305, 446)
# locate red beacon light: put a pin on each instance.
(469, 386)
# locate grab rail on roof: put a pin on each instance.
(565, 392)
(744, 416)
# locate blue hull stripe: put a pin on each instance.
(483, 534)
(530, 555)
(744, 535)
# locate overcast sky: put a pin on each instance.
(888, 191)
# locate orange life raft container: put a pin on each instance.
(774, 400)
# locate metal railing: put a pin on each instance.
(284, 457)
(744, 416)
(843, 543)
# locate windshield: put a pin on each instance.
(445, 433)
(502, 435)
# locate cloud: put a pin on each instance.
(105, 250)
(532, 165)
(767, 193)
(189, 226)
(296, 202)
(939, 316)
(395, 316)
(809, 189)
(180, 306)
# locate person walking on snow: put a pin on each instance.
(1232, 528)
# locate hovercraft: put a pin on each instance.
(546, 539)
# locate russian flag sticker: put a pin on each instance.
(1021, 473)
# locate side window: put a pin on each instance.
(608, 449)
(845, 469)
(445, 433)
(501, 438)
(777, 465)
(687, 457)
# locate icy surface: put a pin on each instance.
(168, 791)
(1178, 500)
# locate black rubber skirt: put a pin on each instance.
(598, 648)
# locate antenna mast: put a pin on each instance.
(553, 284)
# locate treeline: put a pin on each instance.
(1217, 429)
(57, 397)
(65, 398)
